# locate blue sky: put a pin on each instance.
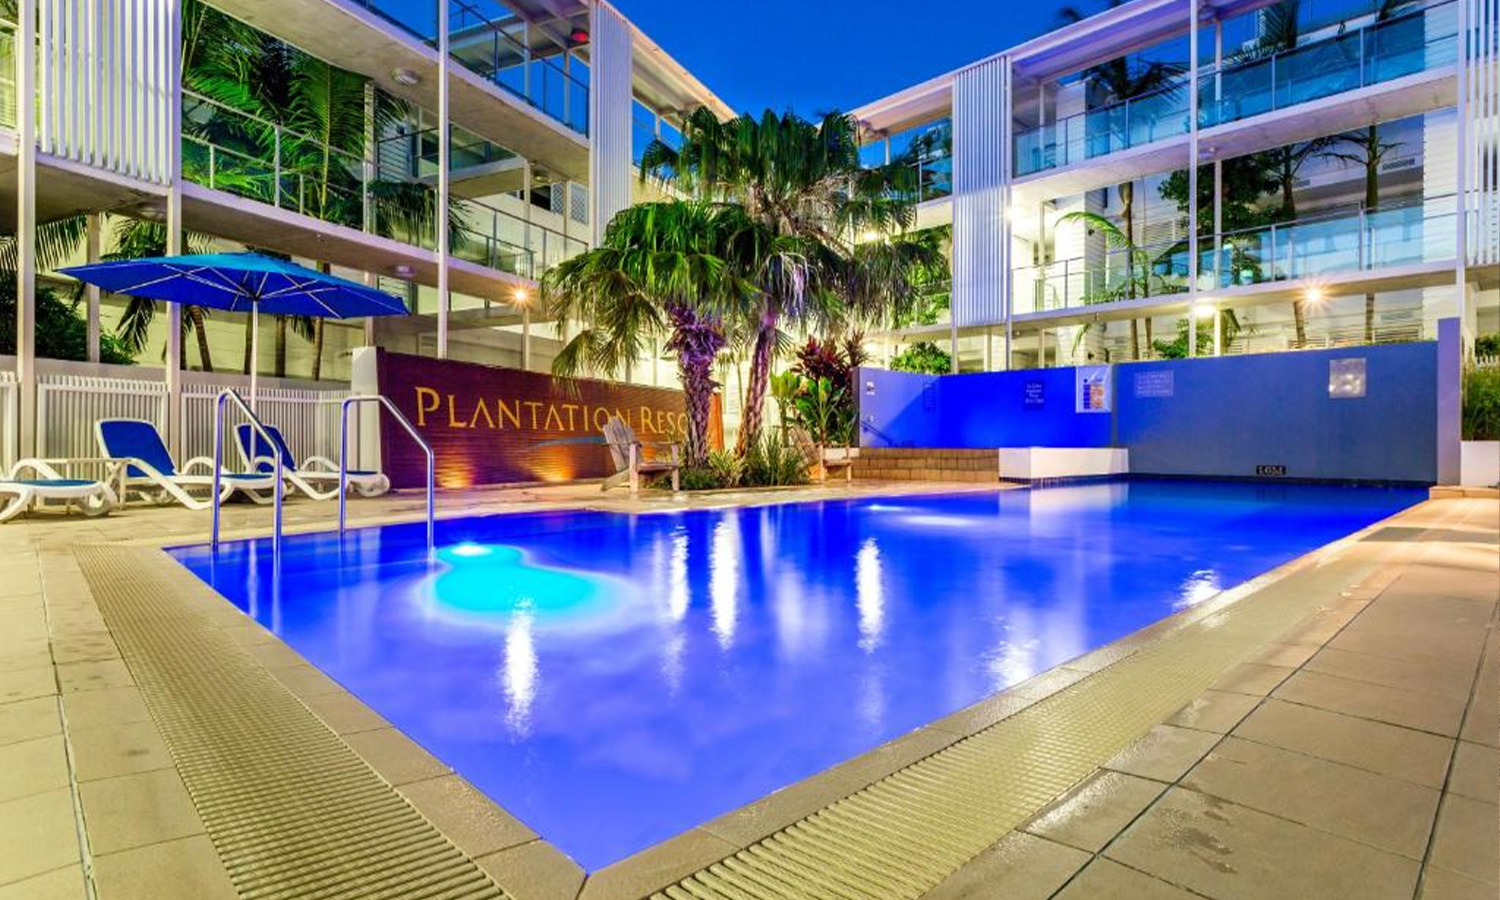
(814, 55)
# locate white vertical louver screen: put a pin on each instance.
(1482, 97)
(611, 169)
(979, 178)
(103, 74)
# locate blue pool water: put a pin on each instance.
(613, 680)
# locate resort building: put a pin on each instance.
(1149, 549)
(1343, 158)
(311, 129)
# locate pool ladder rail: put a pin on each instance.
(225, 396)
(230, 395)
(411, 431)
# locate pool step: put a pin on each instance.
(927, 464)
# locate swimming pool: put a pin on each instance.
(613, 680)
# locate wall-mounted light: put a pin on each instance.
(1204, 310)
(405, 77)
(521, 296)
(402, 270)
(579, 36)
(1314, 294)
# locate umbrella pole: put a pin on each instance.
(254, 350)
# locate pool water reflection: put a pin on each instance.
(613, 680)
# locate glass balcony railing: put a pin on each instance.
(1397, 235)
(1363, 240)
(415, 154)
(1405, 44)
(481, 38)
(504, 241)
(926, 151)
(7, 74)
(1157, 270)
(232, 151)
(1412, 42)
(1099, 132)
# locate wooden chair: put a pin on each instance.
(824, 459)
(631, 459)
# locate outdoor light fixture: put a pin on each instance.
(579, 36)
(1204, 310)
(402, 270)
(521, 296)
(1314, 294)
(405, 77)
(869, 236)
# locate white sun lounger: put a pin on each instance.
(317, 476)
(151, 469)
(33, 481)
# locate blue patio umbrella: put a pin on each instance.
(241, 282)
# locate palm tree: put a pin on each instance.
(660, 272)
(806, 199)
(1137, 271)
(1125, 79)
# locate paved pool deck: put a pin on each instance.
(1331, 729)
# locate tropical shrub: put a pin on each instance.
(773, 462)
(819, 393)
(1481, 411)
(923, 357)
(61, 333)
(824, 411)
(726, 467)
(1487, 345)
(694, 478)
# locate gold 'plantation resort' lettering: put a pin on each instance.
(438, 410)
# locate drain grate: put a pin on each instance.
(290, 808)
(901, 836)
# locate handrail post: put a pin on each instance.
(411, 430)
(260, 429)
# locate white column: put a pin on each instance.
(173, 139)
(91, 291)
(1192, 347)
(1461, 181)
(442, 198)
(26, 87)
(526, 243)
(1007, 227)
(526, 336)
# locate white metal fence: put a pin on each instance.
(308, 419)
(68, 405)
(8, 419)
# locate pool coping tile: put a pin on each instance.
(532, 869)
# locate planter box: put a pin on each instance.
(1479, 463)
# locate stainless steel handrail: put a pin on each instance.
(344, 457)
(224, 396)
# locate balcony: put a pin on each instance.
(481, 37)
(1099, 132)
(231, 151)
(493, 42)
(1379, 52)
(1334, 244)
(1402, 234)
(925, 151)
(7, 74)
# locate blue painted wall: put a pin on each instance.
(986, 409)
(1224, 416)
(1229, 414)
